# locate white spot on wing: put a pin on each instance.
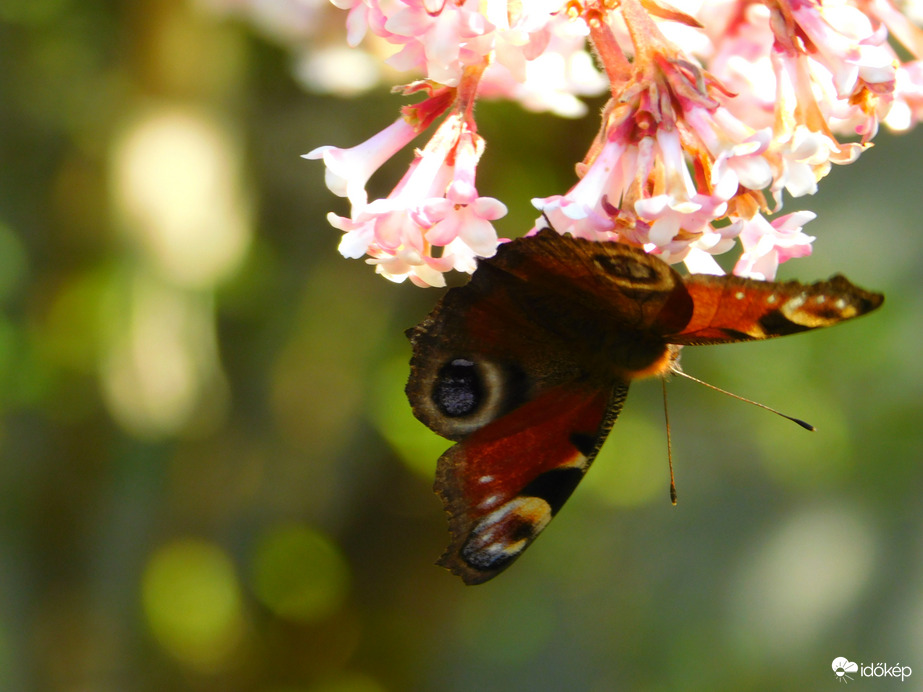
(495, 516)
(578, 461)
(489, 502)
(795, 302)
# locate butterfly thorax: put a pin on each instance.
(635, 355)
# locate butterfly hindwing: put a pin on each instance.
(482, 353)
(505, 482)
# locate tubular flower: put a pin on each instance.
(435, 205)
(719, 111)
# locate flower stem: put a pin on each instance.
(610, 54)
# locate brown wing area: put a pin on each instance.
(622, 284)
(731, 308)
(496, 324)
(503, 484)
(546, 310)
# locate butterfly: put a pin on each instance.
(527, 367)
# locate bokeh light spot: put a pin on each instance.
(800, 579)
(299, 573)
(177, 190)
(338, 70)
(192, 602)
(160, 363)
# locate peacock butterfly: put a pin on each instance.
(527, 367)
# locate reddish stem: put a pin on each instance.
(646, 37)
(613, 59)
(468, 92)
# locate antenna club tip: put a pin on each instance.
(804, 424)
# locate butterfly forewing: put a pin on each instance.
(731, 308)
(619, 284)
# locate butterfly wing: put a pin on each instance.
(622, 286)
(643, 295)
(545, 311)
(731, 308)
(503, 484)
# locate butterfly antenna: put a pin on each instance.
(666, 415)
(803, 424)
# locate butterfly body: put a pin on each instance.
(527, 367)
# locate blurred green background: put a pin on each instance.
(210, 477)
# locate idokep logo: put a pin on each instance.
(842, 667)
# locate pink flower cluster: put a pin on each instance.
(719, 109)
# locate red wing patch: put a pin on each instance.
(504, 483)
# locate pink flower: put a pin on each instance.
(461, 221)
(436, 204)
(720, 111)
(699, 255)
(543, 64)
(441, 37)
(736, 150)
(348, 170)
(582, 212)
(768, 244)
(638, 182)
(801, 158)
(907, 109)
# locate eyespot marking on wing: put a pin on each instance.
(502, 535)
(626, 268)
(804, 311)
(458, 389)
(462, 392)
